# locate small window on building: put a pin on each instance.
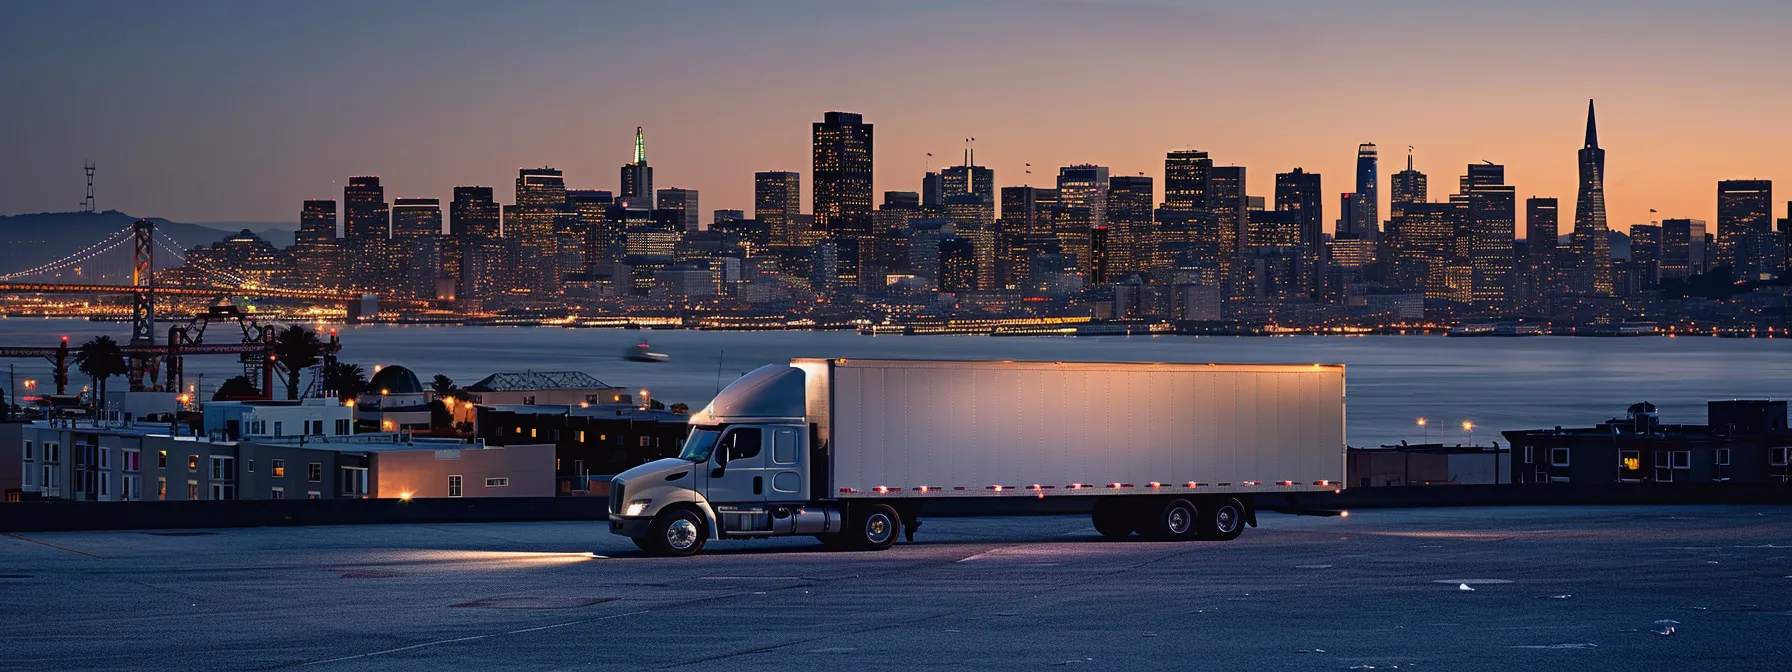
(315, 472)
(603, 437)
(161, 487)
(27, 450)
(161, 459)
(1558, 457)
(277, 427)
(454, 486)
(278, 493)
(581, 436)
(1777, 456)
(645, 442)
(251, 465)
(342, 427)
(1630, 460)
(1723, 457)
(133, 460)
(193, 462)
(532, 432)
(105, 458)
(497, 482)
(192, 490)
(313, 494)
(105, 486)
(52, 452)
(279, 468)
(1682, 459)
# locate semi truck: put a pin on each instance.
(849, 451)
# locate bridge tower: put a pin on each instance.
(143, 318)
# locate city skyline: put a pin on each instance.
(156, 157)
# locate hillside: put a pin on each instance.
(29, 240)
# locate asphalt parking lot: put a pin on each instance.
(1548, 588)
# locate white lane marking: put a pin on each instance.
(749, 578)
(1579, 645)
(472, 638)
(1474, 582)
(1076, 533)
(982, 555)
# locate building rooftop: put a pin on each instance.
(592, 411)
(538, 380)
(395, 379)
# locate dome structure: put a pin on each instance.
(395, 380)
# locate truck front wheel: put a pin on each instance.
(1222, 518)
(1112, 518)
(676, 532)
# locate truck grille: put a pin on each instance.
(616, 497)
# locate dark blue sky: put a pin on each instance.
(235, 111)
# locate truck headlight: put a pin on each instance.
(635, 508)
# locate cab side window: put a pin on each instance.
(742, 443)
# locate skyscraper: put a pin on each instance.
(414, 217)
(1129, 219)
(532, 221)
(1745, 237)
(1083, 204)
(1188, 175)
(473, 212)
(317, 253)
(933, 191)
(1230, 204)
(1365, 220)
(1682, 248)
(969, 178)
(1299, 192)
(1490, 228)
(1407, 186)
(637, 176)
(365, 213)
(842, 144)
(777, 201)
(1591, 271)
(1027, 210)
(684, 201)
(1541, 227)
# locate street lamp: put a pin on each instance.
(1469, 426)
(1425, 429)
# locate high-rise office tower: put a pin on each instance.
(1188, 175)
(684, 201)
(1027, 210)
(1590, 272)
(777, 202)
(933, 191)
(365, 213)
(533, 221)
(1682, 248)
(473, 212)
(1406, 186)
(973, 220)
(1541, 227)
(842, 143)
(969, 178)
(1645, 256)
(1345, 228)
(414, 217)
(1365, 219)
(1745, 240)
(637, 176)
(601, 240)
(1099, 239)
(1487, 237)
(1299, 192)
(1230, 204)
(316, 251)
(1129, 219)
(1422, 241)
(1083, 204)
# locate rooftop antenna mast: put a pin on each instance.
(88, 204)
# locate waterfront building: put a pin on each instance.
(1590, 270)
(777, 204)
(1489, 232)
(1745, 236)
(685, 202)
(592, 442)
(1129, 224)
(1742, 441)
(1299, 192)
(637, 176)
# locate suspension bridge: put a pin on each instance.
(125, 262)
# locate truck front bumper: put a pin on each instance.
(633, 528)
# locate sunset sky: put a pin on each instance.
(236, 111)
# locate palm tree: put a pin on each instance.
(101, 358)
(296, 349)
(345, 379)
(239, 387)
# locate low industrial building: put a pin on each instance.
(469, 470)
(591, 443)
(529, 388)
(1743, 441)
(1427, 464)
(240, 420)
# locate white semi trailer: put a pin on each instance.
(848, 450)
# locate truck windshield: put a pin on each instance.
(700, 444)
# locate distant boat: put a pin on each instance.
(642, 352)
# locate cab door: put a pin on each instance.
(737, 473)
(784, 466)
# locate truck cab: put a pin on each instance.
(751, 468)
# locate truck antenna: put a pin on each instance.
(719, 355)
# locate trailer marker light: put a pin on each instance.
(1285, 483)
(1077, 486)
(1225, 485)
(958, 488)
(996, 488)
(921, 489)
(1156, 484)
(1193, 484)
(1322, 483)
(1114, 485)
(882, 490)
(848, 490)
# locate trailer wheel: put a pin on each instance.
(875, 528)
(1175, 520)
(1222, 519)
(676, 532)
(1112, 518)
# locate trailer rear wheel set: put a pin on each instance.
(1171, 518)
